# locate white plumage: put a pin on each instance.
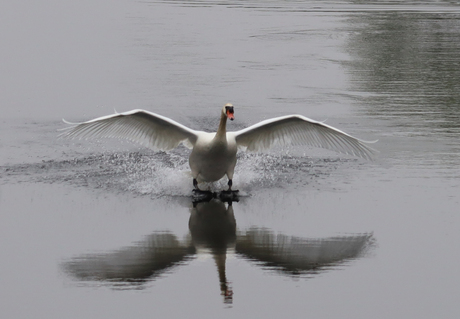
(214, 154)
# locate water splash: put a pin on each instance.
(168, 174)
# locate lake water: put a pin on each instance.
(107, 229)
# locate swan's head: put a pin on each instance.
(228, 111)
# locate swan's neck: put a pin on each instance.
(222, 130)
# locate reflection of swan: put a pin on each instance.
(213, 229)
(214, 154)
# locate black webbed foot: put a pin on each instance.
(229, 195)
(229, 190)
(199, 195)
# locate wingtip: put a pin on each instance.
(371, 142)
(66, 128)
(67, 122)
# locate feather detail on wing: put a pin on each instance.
(299, 130)
(139, 126)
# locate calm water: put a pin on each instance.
(96, 229)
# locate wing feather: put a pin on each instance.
(300, 130)
(139, 126)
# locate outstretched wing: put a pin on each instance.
(299, 130)
(139, 126)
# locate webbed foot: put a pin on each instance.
(229, 195)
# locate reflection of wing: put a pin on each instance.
(296, 255)
(134, 264)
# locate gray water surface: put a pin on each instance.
(107, 229)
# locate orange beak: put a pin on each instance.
(230, 115)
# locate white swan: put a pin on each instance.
(214, 154)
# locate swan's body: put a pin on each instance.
(214, 154)
(213, 157)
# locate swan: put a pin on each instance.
(213, 155)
